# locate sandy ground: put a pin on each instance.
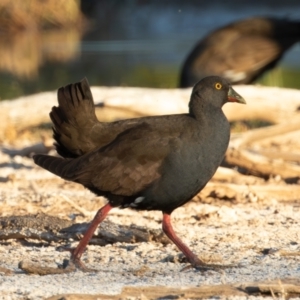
(260, 237)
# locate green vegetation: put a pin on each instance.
(162, 77)
(55, 74)
(282, 77)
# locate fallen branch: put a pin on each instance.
(262, 103)
(281, 287)
(254, 193)
(49, 228)
(247, 138)
(259, 165)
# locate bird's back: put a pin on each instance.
(241, 51)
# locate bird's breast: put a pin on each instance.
(188, 168)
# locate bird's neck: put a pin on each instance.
(203, 112)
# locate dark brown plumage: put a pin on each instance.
(241, 51)
(150, 163)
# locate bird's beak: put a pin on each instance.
(233, 96)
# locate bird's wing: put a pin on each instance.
(240, 56)
(253, 53)
(125, 166)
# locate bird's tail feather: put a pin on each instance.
(55, 165)
(73, 119)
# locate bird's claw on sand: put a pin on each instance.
(207, 267)
(75, 264)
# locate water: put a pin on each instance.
(133, 43)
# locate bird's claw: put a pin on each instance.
(76, 264)
(206, 267)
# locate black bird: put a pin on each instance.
(241, 51)
(149, 163)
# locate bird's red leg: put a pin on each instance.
(77, 252)
(169, 231)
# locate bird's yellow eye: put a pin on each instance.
(218, 85)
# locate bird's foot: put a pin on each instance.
(74, 262)
(200, 265)
(207, 267)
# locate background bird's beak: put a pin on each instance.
(233, 96)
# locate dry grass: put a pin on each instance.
(31, 30)
(22, 54)
(37, 14)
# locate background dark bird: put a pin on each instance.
(241, 51)
(150, 163)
